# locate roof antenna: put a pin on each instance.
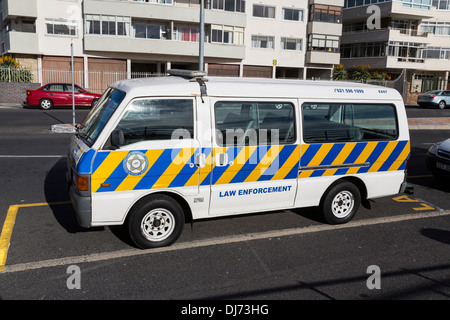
(193, 75)
(202, 88)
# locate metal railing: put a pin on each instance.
(93, 81)
(8, 74)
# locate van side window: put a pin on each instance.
(254, 123)
(328, 122)
(158, 119)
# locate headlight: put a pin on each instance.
(434, 148)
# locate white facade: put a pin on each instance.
(410, 36)
(242, 38)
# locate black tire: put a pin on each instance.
(94, 101)
(340, 203)
(441, 105)
(46, 104)
(155, 222)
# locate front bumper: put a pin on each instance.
(82, 207)
(438, 166)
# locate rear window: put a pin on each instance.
(254, 123)
(330, 122)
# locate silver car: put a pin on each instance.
(438, 160)
(439, 98)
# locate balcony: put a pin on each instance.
(22, 42)
(161, 47)
(322, 57)
(393, 9)
(147, 10)
(328, 28)
(23, 8)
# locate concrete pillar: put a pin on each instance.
(128, 69)
(39, 69)
(86, 71)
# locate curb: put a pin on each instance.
(63, 128)
(429, 123)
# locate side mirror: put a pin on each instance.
(117, 138)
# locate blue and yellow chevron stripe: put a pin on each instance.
(169, 168)
(352, 158)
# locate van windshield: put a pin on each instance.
(97, 118)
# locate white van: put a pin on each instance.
(157, 152)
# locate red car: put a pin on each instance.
(60, 94)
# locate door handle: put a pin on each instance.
(221, 159)
(200, 160)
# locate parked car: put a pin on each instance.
(438, 159)
(439, 98)
(60, 94)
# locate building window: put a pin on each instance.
(263, 11)
(436, 28)
(292, 14)
(441, 4)
(407, 51)
(360, 50)
(149, 31)
(262, 42)
(227, 34)
(324, 13)
(61, 27)
(156, 1)
(321, 42)
(229, 5)
(108, 25)
(29, 26)
(417, 4)
(291, 44)
(186, 34)
(437, 53)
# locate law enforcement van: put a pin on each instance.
(156, 153)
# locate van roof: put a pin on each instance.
(255, 87)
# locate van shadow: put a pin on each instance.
(418, 173)
(439, 235)
(57, 196)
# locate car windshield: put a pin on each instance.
(433, 92)
(97, 118)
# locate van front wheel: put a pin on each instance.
(155, 222)
(341, 203)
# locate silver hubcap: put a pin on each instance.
(342, 204)
(157, 225)
(45, 104)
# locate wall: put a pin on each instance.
(15, 92)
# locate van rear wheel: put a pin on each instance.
(341, 203)
(155, 222)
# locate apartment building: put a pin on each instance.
(263, 38)
(411, 35)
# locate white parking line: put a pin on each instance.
(215, 241)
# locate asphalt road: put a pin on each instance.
(286, 255)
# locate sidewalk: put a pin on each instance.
(429, 123)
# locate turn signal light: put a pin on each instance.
(82, 183)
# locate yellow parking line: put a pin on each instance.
(8, 226)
